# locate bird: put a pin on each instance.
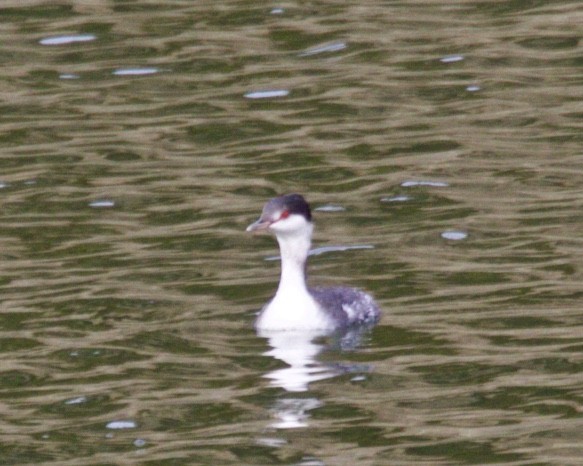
(295, 305)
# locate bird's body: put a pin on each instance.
(295, 306)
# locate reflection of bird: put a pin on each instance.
(295, 306)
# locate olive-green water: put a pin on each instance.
(441, 146)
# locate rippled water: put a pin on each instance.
(442, 144)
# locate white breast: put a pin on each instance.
(293, 312)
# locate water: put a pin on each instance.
(131, 161)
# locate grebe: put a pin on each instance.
(295, 306)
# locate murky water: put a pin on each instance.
(442, 142)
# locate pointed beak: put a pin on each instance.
(259, 225)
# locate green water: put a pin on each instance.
(132, 158)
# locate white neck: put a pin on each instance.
(293, 307)
(294, 250)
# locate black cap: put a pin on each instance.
(294, 204)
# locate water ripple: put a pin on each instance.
(267, 94)
(326, 48)
(67, 39)
(144, 314)
(135, 71)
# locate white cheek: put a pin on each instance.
(292, 223)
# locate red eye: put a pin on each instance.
(284, 215)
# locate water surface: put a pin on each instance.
(138, 139)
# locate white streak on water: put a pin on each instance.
(267, 94)
(396, 199)
(327, 48)
(451, 59)
(103, 203)
(135, 71)
(121, 425)
(326, 249)
(433, 184)
(76, 401)
(70, 39)
(271, 442)
(330, 208)
(454, 235)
